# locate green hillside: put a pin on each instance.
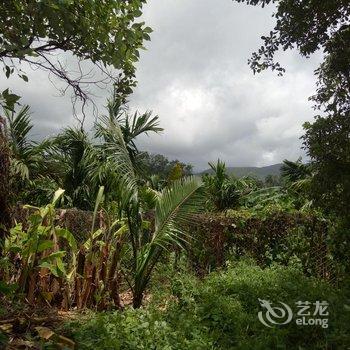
(259, 172)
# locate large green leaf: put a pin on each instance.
(43, 245)
(66, 234)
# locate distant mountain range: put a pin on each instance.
(259, 172)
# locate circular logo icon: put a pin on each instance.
(274, 315)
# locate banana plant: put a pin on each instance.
(38, 250)
(97, 278)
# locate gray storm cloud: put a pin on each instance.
(194, 75)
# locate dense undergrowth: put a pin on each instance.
(219, 312)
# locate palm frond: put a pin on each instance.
(173, 210)
(19, 168)
(138, 124)
(149, 198)
(261, 196)
(175, 206)
(295, 171)
(118, 155)
(27, 156)
(302, 184)
(219, 170)
(19, 128)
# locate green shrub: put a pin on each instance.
(220, 312)
(227, 304)
(135, 330)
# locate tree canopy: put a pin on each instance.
(105, 33)
(309, 26)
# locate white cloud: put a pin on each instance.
(195, 76)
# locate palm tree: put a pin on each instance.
(173, 207)
(31, 178)
(26, 155)
(104, 168)
(81, 165)
(131, 125)
(71, 157)
(156, 182)
(298, 178)
(294, 193)
(295, 171)
(222, 190)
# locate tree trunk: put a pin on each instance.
(137, 299)
(113, 275)
(5, 216)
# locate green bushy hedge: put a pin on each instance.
(220, 312)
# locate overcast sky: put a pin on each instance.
(195, 76)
